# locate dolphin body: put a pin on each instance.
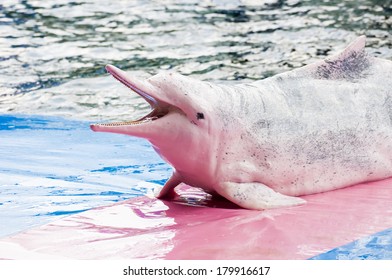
(321, 127)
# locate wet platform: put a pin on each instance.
(350, 223)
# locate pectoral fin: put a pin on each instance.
(167, 191)
(256, 196)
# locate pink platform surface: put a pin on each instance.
(194, 226)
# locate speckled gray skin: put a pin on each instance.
(325, 126)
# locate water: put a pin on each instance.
(53, 53)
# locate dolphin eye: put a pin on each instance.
(200, 116)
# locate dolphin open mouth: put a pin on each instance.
(159, 108)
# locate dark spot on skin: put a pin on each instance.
(200, 116)
(262, 124)
(351, 67)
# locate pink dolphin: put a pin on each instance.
(321, 127)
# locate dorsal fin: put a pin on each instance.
(357, 46)
(350, 64)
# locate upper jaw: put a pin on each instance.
(141, 88)
(145, 90)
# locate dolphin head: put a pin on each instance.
(179, 121)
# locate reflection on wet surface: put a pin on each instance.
(147, 228)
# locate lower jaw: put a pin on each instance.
(138, 122)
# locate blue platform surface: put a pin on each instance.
(373, 247)
(52, 167)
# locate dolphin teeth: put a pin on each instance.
(142, 121)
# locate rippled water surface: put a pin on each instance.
(53, 53)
